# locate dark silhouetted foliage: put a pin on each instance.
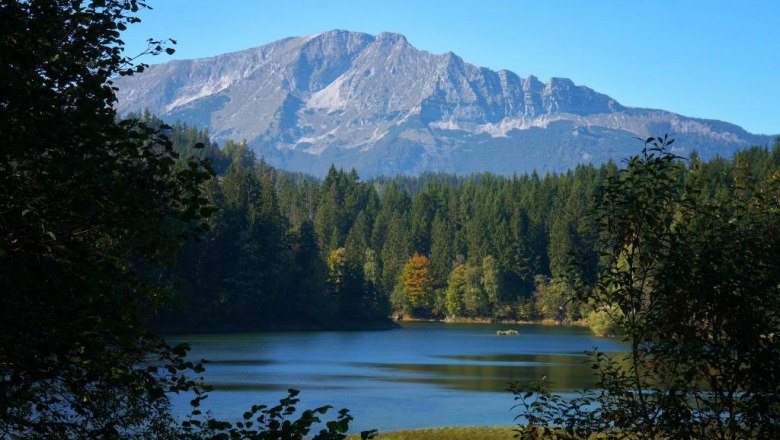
(691, 278)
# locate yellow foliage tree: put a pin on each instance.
(336, 262)
(417, 283)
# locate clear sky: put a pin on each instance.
(703, 58)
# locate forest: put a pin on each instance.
(285, 250)
(110, 223)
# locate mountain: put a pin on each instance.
(380, 105)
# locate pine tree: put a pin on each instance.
(441, 250)
(396, 250)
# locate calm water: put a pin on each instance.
(424, 374)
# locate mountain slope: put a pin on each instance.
(380, 105)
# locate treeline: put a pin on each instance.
(94, 212)
(285, 250)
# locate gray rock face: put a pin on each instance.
(384, 107)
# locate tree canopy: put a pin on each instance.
(94, 209)
(691, 278)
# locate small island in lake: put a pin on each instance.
(507, 332)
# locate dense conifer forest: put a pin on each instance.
(286, 250)
(108, 223)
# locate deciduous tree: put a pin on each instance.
(91, 207)
(692, 280)
(417, 284)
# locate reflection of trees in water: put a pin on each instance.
(566, 372)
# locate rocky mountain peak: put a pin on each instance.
(391, 38)
(379, 104)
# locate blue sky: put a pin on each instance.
(708, 59)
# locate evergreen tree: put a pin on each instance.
(396, 250)
(423, 209)
(309, 277)
(441, 250)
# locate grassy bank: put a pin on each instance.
(449, 433)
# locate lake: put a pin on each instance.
(421, 375)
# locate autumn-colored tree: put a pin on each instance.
(416, 283)
(347, 287)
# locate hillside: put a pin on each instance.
(378, 104)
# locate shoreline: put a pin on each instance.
(547, 322)
(384, 325)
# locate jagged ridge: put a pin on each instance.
(379, 104)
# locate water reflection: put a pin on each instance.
(239, 362)
(497, 371)
(424, 374)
